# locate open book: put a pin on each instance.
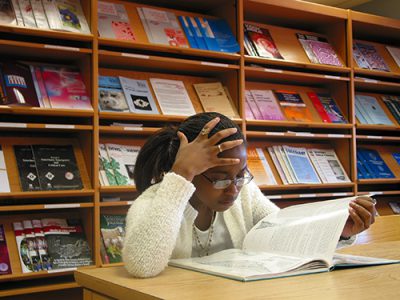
(296, 240)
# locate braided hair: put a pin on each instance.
(158, 154)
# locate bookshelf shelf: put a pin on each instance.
(43, 33)
(237, 71)
(253, 73)
(47, 194)
(32, 207)
(123, 59)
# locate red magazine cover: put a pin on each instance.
(5, 265)
(262, 41)
(65, 87)
(18, 85)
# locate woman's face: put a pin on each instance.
(220, 199)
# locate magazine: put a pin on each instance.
(296, 240)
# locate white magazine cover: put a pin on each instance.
(395, 53)
(373, 110)
(138, 96)
(66, 15)
(27, 13)
(129, 156)
(301, 165)
(266, 166)
(39, 14)
(162, 27)
(113, 21)
(329, 165)
(172, 97)
(115, 156)
(18, 13)
(4, 183)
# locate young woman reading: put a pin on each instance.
(197, 196)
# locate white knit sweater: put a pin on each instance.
(159, 223)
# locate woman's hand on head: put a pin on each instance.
(201, 154)
(362, 216)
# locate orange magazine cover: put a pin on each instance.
(293, 106)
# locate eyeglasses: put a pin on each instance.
(224, 183)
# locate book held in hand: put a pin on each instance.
(296, 240)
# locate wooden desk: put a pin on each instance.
(385, 228)
(380, 282)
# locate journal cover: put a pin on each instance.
(262, 41)
(5, 265)
(65, 87)
(372, 56)
(4, 183)
(112, 229)
(18, 84)
(57, 167)
(293, 106)
(113, 21)
(27, 170)
(224, 37)
(111, 95)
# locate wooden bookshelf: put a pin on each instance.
(237, 71)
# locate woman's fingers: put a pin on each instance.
(208, 127)
(221, 135)
(228, 145)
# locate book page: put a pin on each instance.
(311, 230)
(245, 266)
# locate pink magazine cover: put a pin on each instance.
(65, 87)
(325, 53)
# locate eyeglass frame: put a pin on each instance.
(234, 181)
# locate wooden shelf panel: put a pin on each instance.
(117, 189)
(293, 13)
(58, 35)
(296, 135)
(377, 138)
(44, 127)
(297, 124)
(39, 288)
(31, 207)
(169, 49)
(38, 111)
(128, 130)
(395, 192)
(377, 127)
(306, 186)
(16, 48)
(157, 62)
(293, 64)
(373, 85)
(112, 265)
(47, 194)
(116, 203)
(375, 73)
(379, 181)
(310, 195)
(373, 26)
(41, 274)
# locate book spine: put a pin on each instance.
(277, 164)
(27, 13)
(39, 14)
(319, 107)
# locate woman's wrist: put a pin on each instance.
(187, 174)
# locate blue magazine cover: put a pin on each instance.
(375, 162)
(188, 31)
(396, 156)
(225, 39)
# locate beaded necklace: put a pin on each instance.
(205, 249)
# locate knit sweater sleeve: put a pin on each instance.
(152, 225)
